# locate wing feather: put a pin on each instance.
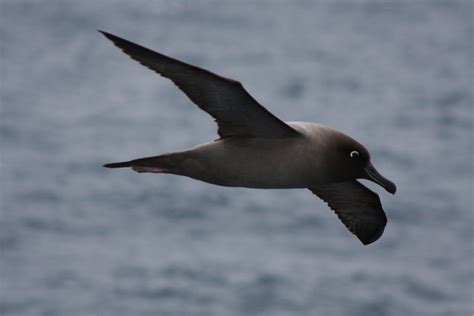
(357, 207)
(235, 111)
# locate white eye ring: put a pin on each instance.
(354, 153)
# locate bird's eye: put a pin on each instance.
(354, 153)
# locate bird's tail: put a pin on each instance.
(118, 164)
(167, 163)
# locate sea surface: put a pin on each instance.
(79, 239)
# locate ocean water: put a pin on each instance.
(79, 239)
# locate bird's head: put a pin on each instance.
(353, 160)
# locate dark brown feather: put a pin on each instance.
(356, 206)
(233, 108)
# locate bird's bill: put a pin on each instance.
(373, 175)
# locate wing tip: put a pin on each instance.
(107, 35)
(102, 32)
(368, 239)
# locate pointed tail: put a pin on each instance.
(167, 163)
(124, 164)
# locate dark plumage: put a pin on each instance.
(258, 150)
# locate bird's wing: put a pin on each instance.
(356, 206)
(233, 108)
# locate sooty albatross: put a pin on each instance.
(258, 150)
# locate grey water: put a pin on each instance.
(79, 239)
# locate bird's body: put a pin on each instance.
(257, 150)
(262, 163)
(252, 163)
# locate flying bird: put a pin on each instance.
(258, 150)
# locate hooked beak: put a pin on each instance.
(373, 175)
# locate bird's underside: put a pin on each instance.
(241, 117)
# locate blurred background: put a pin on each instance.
(78, 239)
